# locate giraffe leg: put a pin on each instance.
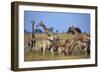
(44, 49)
(59, 51)
(52, 51)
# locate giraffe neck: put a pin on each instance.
(33, 36)
(75, 31)
(46, 30)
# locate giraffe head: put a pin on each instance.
(33, 22)
(72, 28)
(75, 30)
(41, 24)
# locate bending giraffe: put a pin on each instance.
(84, 41)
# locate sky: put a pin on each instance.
(58, 20)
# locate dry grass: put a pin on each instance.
(31, 56)
(37, 56)
(43, 36)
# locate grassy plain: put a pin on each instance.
(37, 56)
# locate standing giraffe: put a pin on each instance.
(52, 40)
(33, 39)
(46, 30)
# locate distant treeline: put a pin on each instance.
(38, 30)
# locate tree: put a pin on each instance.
(37, 30)
(76, 28)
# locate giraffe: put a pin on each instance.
(69, 45)
(52, 40)
(84, 40)
(76, 33)
(67, 48)
(32, 40)
(85, 36)
(46, 30)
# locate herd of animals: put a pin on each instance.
(53, 44)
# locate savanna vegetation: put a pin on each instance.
(37, 55)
